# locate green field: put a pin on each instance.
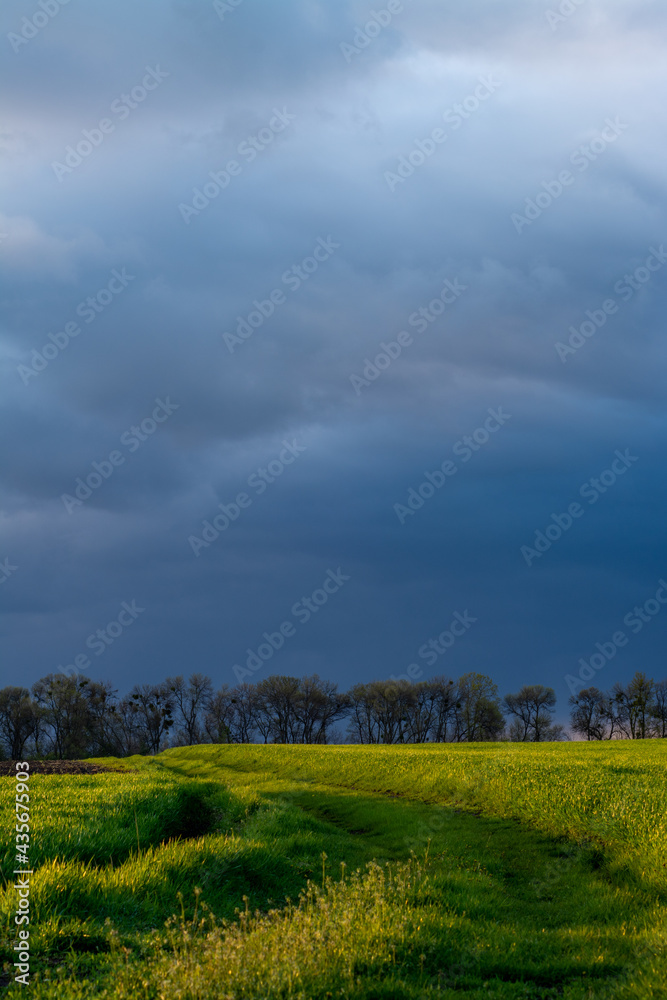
(479, 870)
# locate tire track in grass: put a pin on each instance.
(528, 910)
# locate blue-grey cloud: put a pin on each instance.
(301, 296)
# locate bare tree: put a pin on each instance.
(231, 714)
(401, 712)
(478, 717)
(319, 705)
(75, 717)
(246, 712)
(382, 712)
(293, 710)
(532, 710)
(444, 719)
(420, 713)
(363, 725)
(153, 709)
(590, 714)
(392, 703)
(39, 742)
(219, 717)
(66, 712)
(125, 722)
(659, 709)
(191, 700)
(16, 720)
(277, 716)
(105, 739)
(633, 706)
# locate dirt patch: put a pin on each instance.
(8, 767)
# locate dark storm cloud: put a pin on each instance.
(338, 140)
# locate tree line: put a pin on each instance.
(75, 717)
(635, 711)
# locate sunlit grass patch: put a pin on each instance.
(503, 871)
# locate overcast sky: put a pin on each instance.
(213, 217)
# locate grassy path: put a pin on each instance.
(512, 912)
(325, 887)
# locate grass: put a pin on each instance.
(612, 793)
(499, 871)
(95, 817)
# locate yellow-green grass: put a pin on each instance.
(611, 793)
(512, 873)
(106, 816)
